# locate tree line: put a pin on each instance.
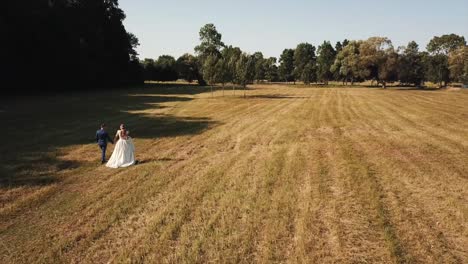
(82, 44)
(375, 59)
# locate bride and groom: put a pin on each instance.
(124, 150)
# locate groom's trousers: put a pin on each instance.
(103, 150)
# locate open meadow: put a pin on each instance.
(287, 174)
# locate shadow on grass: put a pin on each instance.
(37, 129)
(142, 161)
(187, 89)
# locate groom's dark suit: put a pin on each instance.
(101, 138)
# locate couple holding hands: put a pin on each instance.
(124, 150)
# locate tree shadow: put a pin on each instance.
(402, 88)
(38, 129)
(143, 161)
(35, 173)
(175, 88)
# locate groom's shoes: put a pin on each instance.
(104, 161)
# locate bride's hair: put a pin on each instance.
(123, 129)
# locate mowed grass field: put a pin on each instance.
(285, 175)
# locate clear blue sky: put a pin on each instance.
(171, 27)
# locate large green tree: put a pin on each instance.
(210, 46)
(286, 68)
(436, 68)
(436, 62)
(388, 68)
(210, 42)
(410, 65)
(305, 63)
(62, 40)
(347, 63)
(325, 60)
(187, 67)
(378, 60)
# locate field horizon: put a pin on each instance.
(287, 174)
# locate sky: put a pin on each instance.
(171, 27)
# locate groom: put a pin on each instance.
(101, 138)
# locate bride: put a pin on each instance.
(124, 151)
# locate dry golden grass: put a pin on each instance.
(294, 175)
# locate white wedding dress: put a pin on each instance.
(124, 152)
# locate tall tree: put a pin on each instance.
(210, 42)
(305, 63)
(410, 65)
(325, 59)
(210, 46)
(286, 68)
(378, 60)
(436, 68)
(259, 66)
(245, 67)
(436, 63)
(62, 40)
